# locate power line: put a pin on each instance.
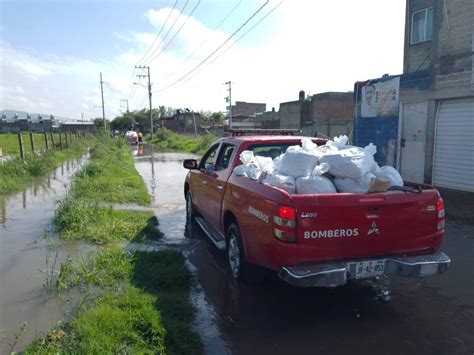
(158, 35)
(245, 33)
(168, 32)
(215, 51)
(233, 43)
(202, 43)
(177, 32)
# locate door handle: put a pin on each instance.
(204, 182)
(220, 187)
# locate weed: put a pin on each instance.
(165, 138)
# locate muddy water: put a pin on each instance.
(428, 316)
(28, 254)
(164, 176)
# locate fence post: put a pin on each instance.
(20, 142)
(60, 141)
(32, 142)
(52, 140)
(46, 143)
(65, 140)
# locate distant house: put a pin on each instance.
(182, 122)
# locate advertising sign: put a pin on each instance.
(380, 99)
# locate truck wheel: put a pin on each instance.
(239, 268)
(189, 208)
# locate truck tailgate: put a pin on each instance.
(345, 226)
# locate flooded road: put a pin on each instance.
(29, 252)
(428, 316)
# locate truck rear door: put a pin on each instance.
(345, 226)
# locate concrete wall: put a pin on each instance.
(290, 115)
(247, 108)
(332, 113)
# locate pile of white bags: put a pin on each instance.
(331, 168)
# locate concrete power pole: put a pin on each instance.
(126, 100)
(149, 94)
(103, 108)
(230, 102)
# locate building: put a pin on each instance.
(247, 108)
(437, 123)
(424, 119)
(327, 114)
(332, 113)
(182, 122)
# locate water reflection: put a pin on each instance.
(26, 257)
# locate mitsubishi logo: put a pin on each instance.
(373, 229)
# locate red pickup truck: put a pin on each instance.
(311, 240)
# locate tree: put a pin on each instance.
(124, 122)
(217, 117)
(99, 122)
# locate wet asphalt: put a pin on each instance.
(425, 316)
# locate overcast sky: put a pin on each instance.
(52, 51)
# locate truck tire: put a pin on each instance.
(189, 208)
(239, 268)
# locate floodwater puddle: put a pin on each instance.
(164, 176)
(29, 254)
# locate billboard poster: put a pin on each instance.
(380, 99)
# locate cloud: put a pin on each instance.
(304, 45)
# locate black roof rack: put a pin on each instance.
(266, 132)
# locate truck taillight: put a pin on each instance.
(284, 224)
(441, 214)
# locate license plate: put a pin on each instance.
(367, 269)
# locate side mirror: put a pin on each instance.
(190, 164)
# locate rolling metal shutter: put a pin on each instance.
(454, 150)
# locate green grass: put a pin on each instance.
(15, 174)
(110, 176)
(10, 146)
(166, 139)
(76, 219)
(143, 306)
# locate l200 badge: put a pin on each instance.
(309, 215)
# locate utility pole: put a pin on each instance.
(103, 109)
(229, 100)
(149, 94)
(126, 100)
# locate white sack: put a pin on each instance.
(314, 184)
(250, 166)
(265, 164)
(297, 162)
(284, 182)
(345, 184)
(338, 142)
(390, 174)
(351, 163)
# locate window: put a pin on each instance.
(422, 26)
(207, 161)
(225, 156)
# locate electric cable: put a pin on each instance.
(215, 51)
(174, 36)
(203, 42)
(168, 32)
(158, 35)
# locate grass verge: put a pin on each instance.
(76, 219)
(15, 174)
(143, 306)
(166, 139)
(110, 176)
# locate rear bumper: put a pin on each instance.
(338, 273)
